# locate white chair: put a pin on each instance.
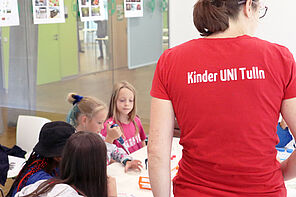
(27, 134)
(27, 131)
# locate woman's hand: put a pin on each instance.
(112, 134)
(133, 165)
(111, 186)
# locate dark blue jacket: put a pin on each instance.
(4, 166)
(40, 175)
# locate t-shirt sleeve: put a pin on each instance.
(290, 91)
(159, 88)
(141, 130)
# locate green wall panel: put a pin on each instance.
(69, 42)
(5, 44)
(48, 69)
(58, 48)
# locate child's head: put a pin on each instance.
(52, 139)
(46, 153)
(84, 163)
(123, 101)
(83, 166)
(88, 113)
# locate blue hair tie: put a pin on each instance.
(77, 99)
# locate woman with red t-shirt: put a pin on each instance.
(218, 87)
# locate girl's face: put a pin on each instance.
(96, 123)
(125, 101)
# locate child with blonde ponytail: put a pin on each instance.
(89, 114)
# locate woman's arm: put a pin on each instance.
(288, 111)
(159, 146)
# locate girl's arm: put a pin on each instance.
(143, 143)
(111, 187)
(159, 146)
(117, 154)
(288, 111)
(141, 132)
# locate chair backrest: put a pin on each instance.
(27, 131)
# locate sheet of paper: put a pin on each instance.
(93, 10)
(133, 8)
(48, 11)
(9, 15)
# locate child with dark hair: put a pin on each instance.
(79, 177)
(44, 160)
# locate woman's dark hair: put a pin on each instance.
(83, 166)
(34, 164)
(211, 16)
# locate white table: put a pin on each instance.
(128, 183)
(291, 187)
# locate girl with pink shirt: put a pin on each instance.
(89, 114)
(122, 111)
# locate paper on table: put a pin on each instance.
(15, 164)
(125, 195)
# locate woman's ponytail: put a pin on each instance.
(211, 16)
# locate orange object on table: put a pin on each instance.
(144, 183)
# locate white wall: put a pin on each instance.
(181, 27)
(279, 25)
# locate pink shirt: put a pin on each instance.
(131, 141)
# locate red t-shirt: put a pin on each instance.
(227, 95)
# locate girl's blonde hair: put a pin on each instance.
(114, 113)
(86, 105)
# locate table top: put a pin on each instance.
(105, 38)
(89, 30)
(128, 183)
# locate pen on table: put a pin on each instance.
(146, 162)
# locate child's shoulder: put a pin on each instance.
(109, 120)
(137, 119)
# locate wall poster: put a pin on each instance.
(133, 8)
(9, 15)
(92, 10)
(48, 11)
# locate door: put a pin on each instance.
(48, 69)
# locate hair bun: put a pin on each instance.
(211, 16)
(74, 98)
